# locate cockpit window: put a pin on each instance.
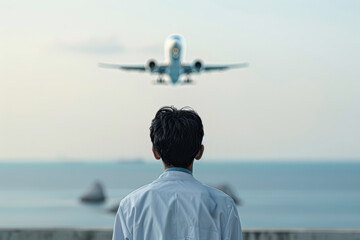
(177, 37)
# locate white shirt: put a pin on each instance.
(177, 206)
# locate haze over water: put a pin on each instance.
(273, 195)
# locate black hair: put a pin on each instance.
(177, 135)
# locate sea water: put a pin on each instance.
(273, 194)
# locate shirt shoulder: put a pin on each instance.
(219, 195)
(135, 196)
(164, 189)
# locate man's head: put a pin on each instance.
(176, 136)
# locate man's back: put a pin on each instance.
(177, 206)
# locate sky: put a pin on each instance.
(298, 100)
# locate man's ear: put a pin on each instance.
(200, 153)
(156, 154)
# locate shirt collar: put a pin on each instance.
(171, 175)
(180, 169)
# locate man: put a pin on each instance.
(176, 205)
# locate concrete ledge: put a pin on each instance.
(106, 233)
(55, 233)
(301, 234)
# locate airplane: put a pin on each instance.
(174, 65)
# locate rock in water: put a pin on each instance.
(114, 208)
(95, 194)
(227, 189)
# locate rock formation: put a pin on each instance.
(95, 194)
(113, 208)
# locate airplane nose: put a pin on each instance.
(173, 43)
(173, 48)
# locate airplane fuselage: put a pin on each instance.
(174, 56)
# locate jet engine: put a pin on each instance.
(198, 65)
(152, 65)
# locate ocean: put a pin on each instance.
(273, 194)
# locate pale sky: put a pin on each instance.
(299, 99)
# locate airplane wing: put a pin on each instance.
(142, 68)
(191, 68)
(224, 67)
(123, 67)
